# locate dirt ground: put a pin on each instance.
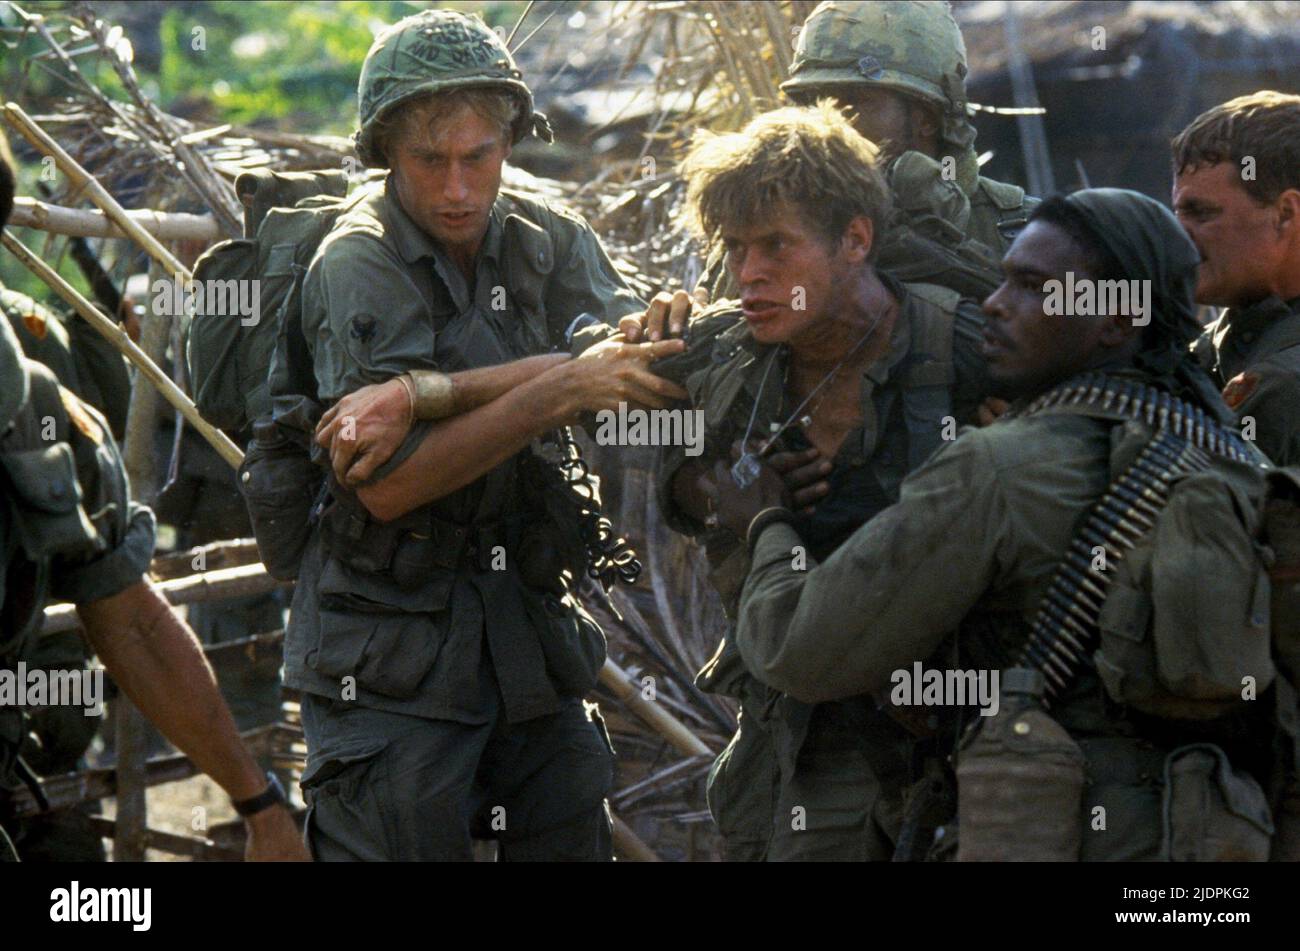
(186, 808)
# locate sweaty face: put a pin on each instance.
(1237, 237)
(447, 182)
(786, 272)
(1027, 350)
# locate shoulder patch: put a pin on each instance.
(80, 418)
(35, 325)
(1240, 388)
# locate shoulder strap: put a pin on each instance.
(927, 377)
(1121, 399)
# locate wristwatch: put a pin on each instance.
(271, 796)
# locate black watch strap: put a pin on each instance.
(271, 796)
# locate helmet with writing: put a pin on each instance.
(436, 51)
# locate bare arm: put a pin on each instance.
(460, 449)
(157, 661)
(365, 428)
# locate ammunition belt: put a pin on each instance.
(1065, 630)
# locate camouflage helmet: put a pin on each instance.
(913, 47)
(435, 51)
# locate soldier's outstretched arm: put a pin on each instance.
(460, 449)
(888, 596)
(364, 428)
(156, 659)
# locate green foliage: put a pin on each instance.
(287, 65)
(294, 65)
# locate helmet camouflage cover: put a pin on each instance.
(435, 51)
(914, 47)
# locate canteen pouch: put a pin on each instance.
(573, 644)
(1186, 624)
(1212, 812)
(279, 483)
(1019, 790)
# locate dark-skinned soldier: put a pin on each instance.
(1151, 748)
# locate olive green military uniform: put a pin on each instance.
(82, 358)
(1255, 352)
(69, 529)
(953, 574)
(84, 362)
(986, 521)
(801, 781)
(442, 691)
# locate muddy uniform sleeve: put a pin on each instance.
(366, 322)
(887, 596)
(125, 528)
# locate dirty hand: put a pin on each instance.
(665, 317)
(735, 507)
(615, 371)
(364, 429)
(804, 474)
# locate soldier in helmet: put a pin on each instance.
(69, 530)
(900, 70)
(435, 636)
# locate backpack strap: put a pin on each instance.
(1012, 204)
(928, 374)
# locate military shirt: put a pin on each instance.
(68, 527)
(81, 358)
(778, 731)
(952, 576)
(1255, 353)
(877, 453)
(380, 298)
(978, 529)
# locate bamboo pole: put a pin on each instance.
(40, 139)
(85, 223)
(190, 589)
(124, 344)
(663, 722)
(232, 553)
(629, 843)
